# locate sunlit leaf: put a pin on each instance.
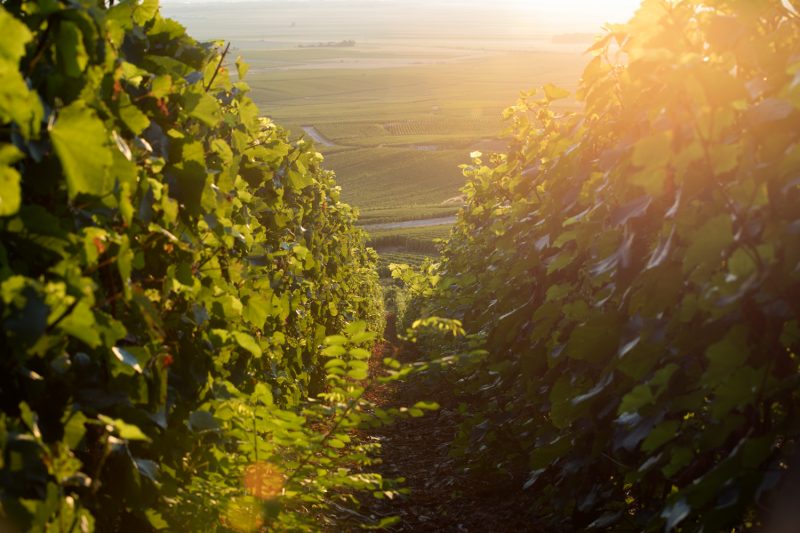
(82, 144)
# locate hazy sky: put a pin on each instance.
(566, 14)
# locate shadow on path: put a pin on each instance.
(442, 497)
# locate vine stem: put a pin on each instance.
(64, 315)
(255, 433)
(219, 66)
(40, 47)
(327, 435)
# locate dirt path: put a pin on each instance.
(443, 497)
(317, 136)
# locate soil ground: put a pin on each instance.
(442, 496)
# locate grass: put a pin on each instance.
(394, 177)
(425, 234)
(383, 215)
(407, 258)
(419, 241)
(474, 89)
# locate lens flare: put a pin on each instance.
(263, 480)
(244, 515)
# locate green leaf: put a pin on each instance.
(203, 107)
(358, 374)
(161, 86)
(248, 343)
(133, 117)
(17, 102)
(71, 52)
(363, 337)
(257, 310)
(554, 93)
(336, 340)
(726, 356)
(144, 11)
(262, 394)
(82, 325)
(662, 434)
(427, 406)
(10, 191)
(241, 67)
(359, 353)
(708, 242)
(15, 36)
(737, 390)
(595, 340)
(156, 520)
(192, 175)
(223, 150)
(74, 429)
(654, 151)
(334, 351)
(637, 398)
(741, 264)
(545, 455)
(725, 158)
(355, 328)
(125, 430)
(202, 421)
(82, 144)
(299, 180)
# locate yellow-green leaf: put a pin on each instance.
(81, 142)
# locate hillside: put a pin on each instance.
(396, 114)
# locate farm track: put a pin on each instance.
(317, 136)
(442, 497)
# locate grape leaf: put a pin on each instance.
(82, 144)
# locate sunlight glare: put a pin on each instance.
(580, 12)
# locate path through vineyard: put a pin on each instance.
(442, 496)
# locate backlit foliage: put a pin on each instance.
(635, 270)
(170, 269)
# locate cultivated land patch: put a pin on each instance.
(397, 113)
(396, 134)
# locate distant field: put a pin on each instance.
(422, 241)
(474, 87)
(382, 215)
(401, 119)
(396, 114)
(383, 177)
(407, 258)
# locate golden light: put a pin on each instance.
(244, 515)
(263, 480)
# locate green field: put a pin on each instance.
(397, 121)
(418, 241)
(396, 114)
(396, 135)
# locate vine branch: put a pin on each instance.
(219, 66)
